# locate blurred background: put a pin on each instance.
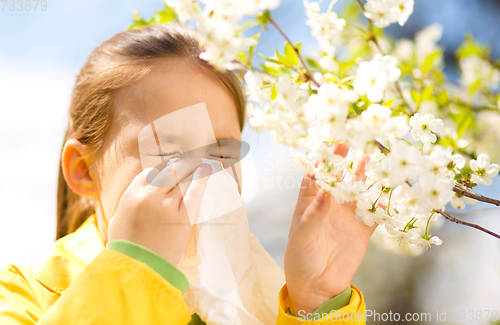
(40, 55)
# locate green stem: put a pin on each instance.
(389, 203)
(427, 225)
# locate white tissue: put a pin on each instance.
(233, 280)
(221, 195)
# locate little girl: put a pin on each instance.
(115, 260)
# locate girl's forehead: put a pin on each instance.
(171, 86)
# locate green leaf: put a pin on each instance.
(475, 86)
(271, 60)
(264, 17)
(427, 92)
(274, 92)
(282, 59)
(137, 17)
(471, 47)
(167, 15)
(138, 20)
(242, 57)
(388, 103)
(290, 54)
(466, 121)
(415, 96)
(442, 98)
(313, 63)
(251, 49)
(447, 142)
(270, 70)
(429, 61)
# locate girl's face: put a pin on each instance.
(172, 85)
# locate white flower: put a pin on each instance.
(483, 171)
(347, 191)
(221, 46)
(403, 10)
(361, 135)
(373, 76)
(410, 236)
(395, 127)
(218, 23)
(380, 12)
(329, 64)
(458, 160)
(185, 10)
(238, 8)
(475, 68)
(426, 243)
(437, 163)
(458, 202)
(287, 93)
(426, 43)
(254, 83)
(376, 116)
(436, 191)
(385, 12)
(330, 103)
(424, 127)
(379, 217)
(404, 49)
(257, 119)
(326, 27)
(402, 164)
(261, 5)
(406, 199)
(405, 162)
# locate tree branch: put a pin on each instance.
(309, 75)
(473, 225)
(460, 189)
(457, 188)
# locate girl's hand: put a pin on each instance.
(326, 244)
(152, 210)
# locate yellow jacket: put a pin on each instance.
(82, 282)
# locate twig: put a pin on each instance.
(458, 188)
(308, 72)
(473, 225)
(375, 40)
(382, 148)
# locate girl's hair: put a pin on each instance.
(117, 63)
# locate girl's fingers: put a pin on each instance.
(315, 163)
(170, 176)
(190, 203)
(341, 149)
(370, 229)
(360, 168)
(308, 190)
(311, 221)
(141, 178)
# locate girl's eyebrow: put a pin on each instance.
(228, 138)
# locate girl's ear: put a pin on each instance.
(76, 170)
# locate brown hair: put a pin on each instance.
(117, 63)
